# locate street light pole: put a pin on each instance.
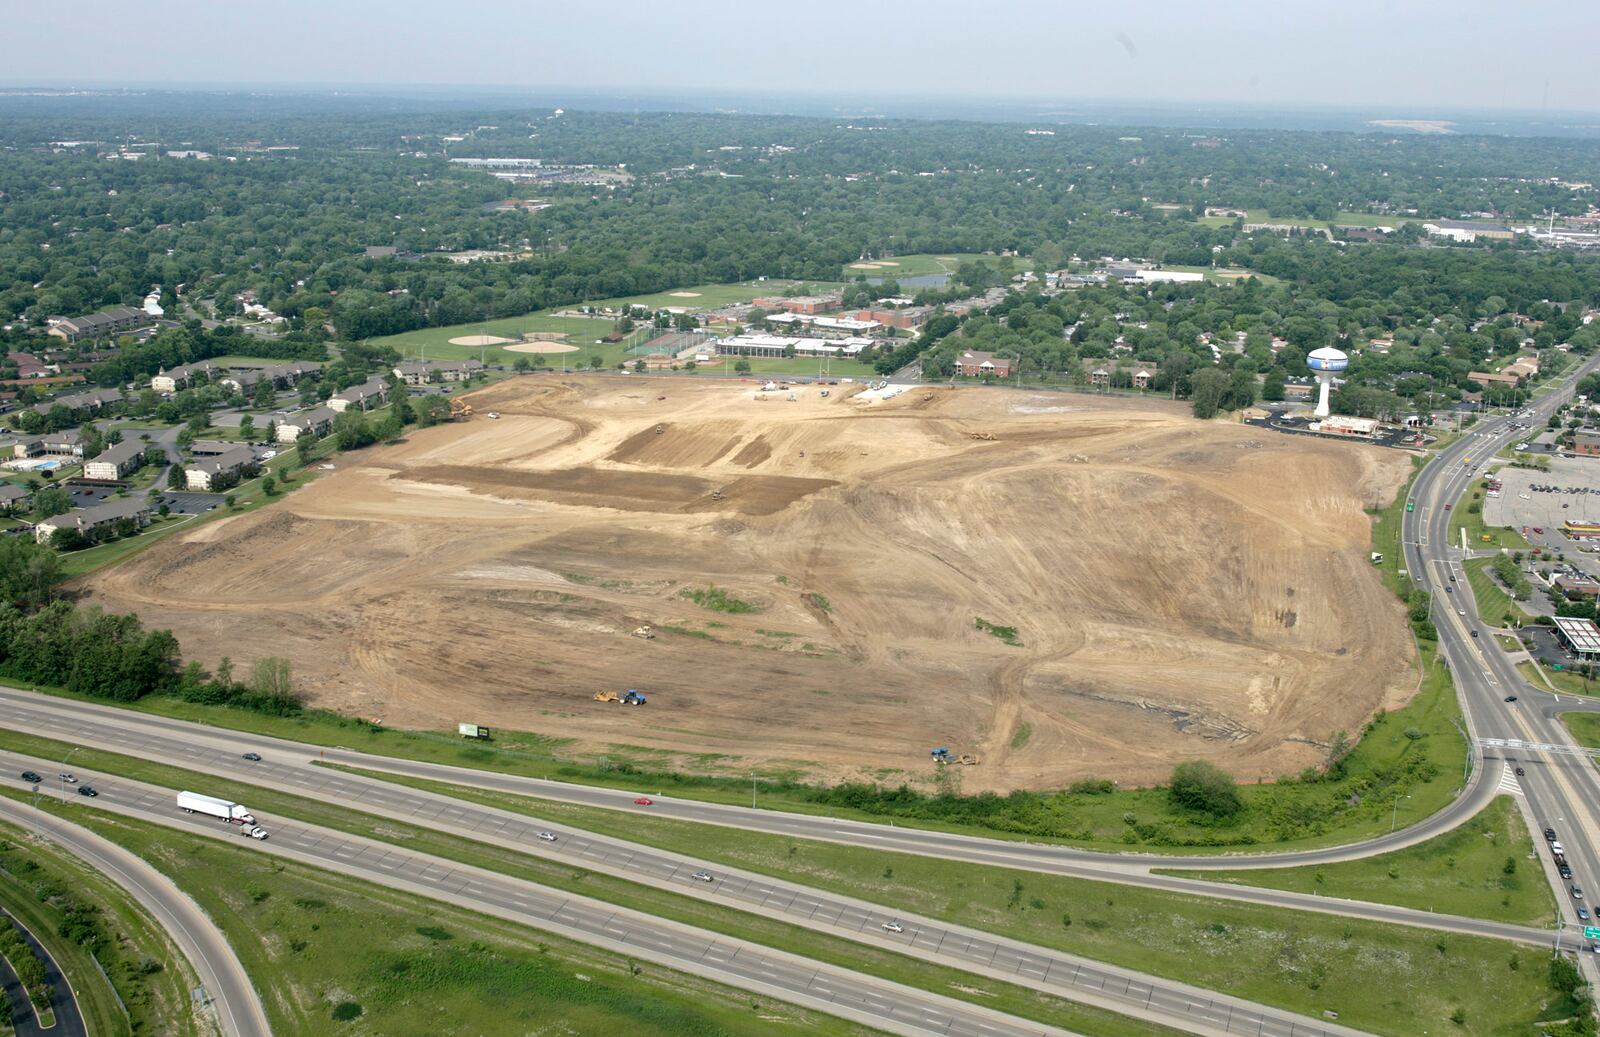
(63, 772)
(752, 790)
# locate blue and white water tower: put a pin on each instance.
(1325, 363)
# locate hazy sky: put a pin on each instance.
(1385, 53)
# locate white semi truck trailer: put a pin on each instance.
(195, 803)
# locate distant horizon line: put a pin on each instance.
(622, 93)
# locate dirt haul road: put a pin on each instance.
(1179, 589)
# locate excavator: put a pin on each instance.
(460, 410)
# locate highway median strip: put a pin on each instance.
(944, 980)
(1300, 961)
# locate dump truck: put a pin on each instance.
(233, 813)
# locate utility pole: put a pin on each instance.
(752, 790)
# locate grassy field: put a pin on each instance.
(246, 360)
(146, 970)
(315, 942)
(1566, 682)
(1462, 872)
(1499, 536)
(1494, 604)
(726, 920)
(1585, 728)
(1386, 528)
(1342, 218)
(926, 264)
(435, 344)
(1303, 961)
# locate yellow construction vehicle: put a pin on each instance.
(607, 696)
(460, 409)
(645, 632)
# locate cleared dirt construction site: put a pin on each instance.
(1150, 588)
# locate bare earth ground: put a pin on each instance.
(1181, 589)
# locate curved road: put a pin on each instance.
(239, 1010)
(836, 991)
(63, 999)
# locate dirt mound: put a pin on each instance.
(1101, 588)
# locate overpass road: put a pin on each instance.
(763, 970)
(211, 752)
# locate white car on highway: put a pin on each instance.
(893, 927)
(548, 837)
(257, 832)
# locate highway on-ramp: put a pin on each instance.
(238, 1009)
(863, 998)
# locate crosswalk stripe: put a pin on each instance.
(1509, 784)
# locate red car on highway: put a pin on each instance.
(643, 801)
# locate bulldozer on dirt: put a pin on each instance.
(660, 429)
(631, 697)
(716, 495)
(943, 756)
(606, 696)
(460, 410)
(987, 437)
(645, 632)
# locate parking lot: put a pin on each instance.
(189, 503)
(1570, 491)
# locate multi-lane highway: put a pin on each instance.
(886, 1005)
(238, 1008)
(209, 751)
(1556, 790)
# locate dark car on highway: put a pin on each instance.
(87, 790)
(31, 776)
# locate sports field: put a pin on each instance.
(1341, 219)
(924, 265)
(579, 331)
